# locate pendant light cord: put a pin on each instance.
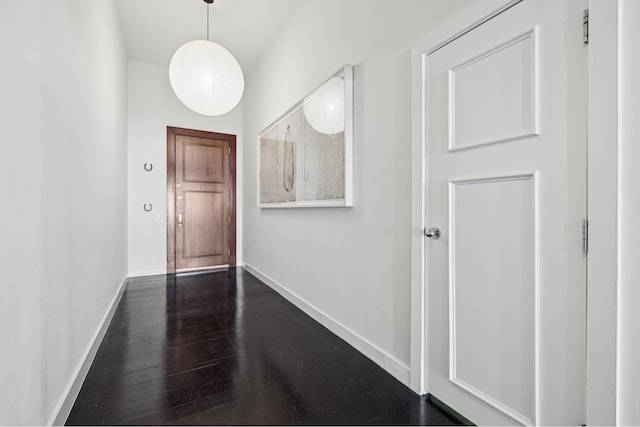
(208, 2)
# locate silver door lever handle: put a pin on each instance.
(432, 233)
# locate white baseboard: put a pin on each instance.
(147, 272)
(387, 362)
(65, 404)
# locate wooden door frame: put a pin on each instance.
(172, 133)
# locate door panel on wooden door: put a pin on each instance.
(202, 202)
(203, 228)
(505, 160)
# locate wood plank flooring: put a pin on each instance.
(223, 348)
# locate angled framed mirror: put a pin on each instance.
(305, 157)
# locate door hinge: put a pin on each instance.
(585, 236)
(229, 218)
(585, 27)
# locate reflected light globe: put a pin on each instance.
(206, 77)
(324, 109)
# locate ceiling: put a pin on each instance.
(155, 29)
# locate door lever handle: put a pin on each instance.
(179, 219)
(432, 233)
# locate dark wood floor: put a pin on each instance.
(223, 348)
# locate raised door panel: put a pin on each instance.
(492, 288)
(506, 72)
(204, 231)
(203, 163)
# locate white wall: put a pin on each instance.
(63, 221)
(628, 412)
(152, 107)
(350, 267)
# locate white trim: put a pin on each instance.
(418, 225)
(473, 16)
(500, 406)
(329, 203)
(386, 361)
(536, 303)
(147, 272)
(349, 140)
(619, 217)
(603, 143)
(70, 394)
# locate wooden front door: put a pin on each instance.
(201, 200)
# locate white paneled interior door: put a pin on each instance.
(505, 158)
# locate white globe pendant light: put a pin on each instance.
(206, 77)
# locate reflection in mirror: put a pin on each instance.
(324, 109)
(305, 157)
